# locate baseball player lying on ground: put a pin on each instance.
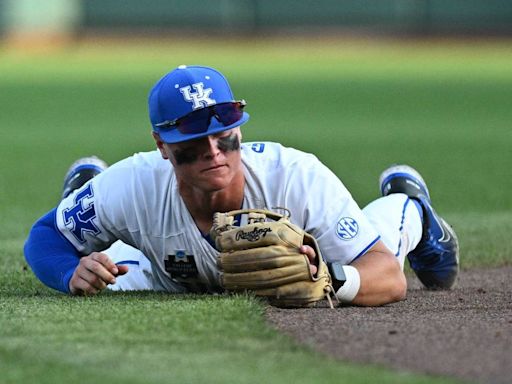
(208, 213)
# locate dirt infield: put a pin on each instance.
(464, 333)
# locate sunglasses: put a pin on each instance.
(199, 121)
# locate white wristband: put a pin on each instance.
(349, 290)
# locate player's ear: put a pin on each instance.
(160, 145)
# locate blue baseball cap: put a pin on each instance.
(184, 90)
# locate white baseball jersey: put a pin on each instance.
(137, 201)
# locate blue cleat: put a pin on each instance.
(435, 260)
(82, 171)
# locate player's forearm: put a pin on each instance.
(51, 257)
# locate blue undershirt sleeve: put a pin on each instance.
(51, 256)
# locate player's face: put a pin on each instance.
(210, 163)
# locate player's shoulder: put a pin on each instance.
(274, 154)
(142, 172)
(141, 162)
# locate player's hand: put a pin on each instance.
(94, 273)
(310, 253)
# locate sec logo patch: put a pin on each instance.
(347, 228)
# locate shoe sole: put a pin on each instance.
(401, 170)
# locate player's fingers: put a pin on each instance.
(84, 280)
(104, 260)
(92, 278)
(89, 289)
(311, 255)
(309, 252)
(122, 269)
(79, 286)
(96, 265)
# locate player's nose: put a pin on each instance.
(211, 147)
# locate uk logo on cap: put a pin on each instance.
(200, 98)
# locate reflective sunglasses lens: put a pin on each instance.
(199, 121)
(195, 122)
(228, 113)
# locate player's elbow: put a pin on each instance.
(395, 287)
(382, 282)
(399, 290)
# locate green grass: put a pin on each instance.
(444, 108)
(152, 338)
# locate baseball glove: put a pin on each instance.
(263, 257)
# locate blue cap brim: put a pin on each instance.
(171, 136)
